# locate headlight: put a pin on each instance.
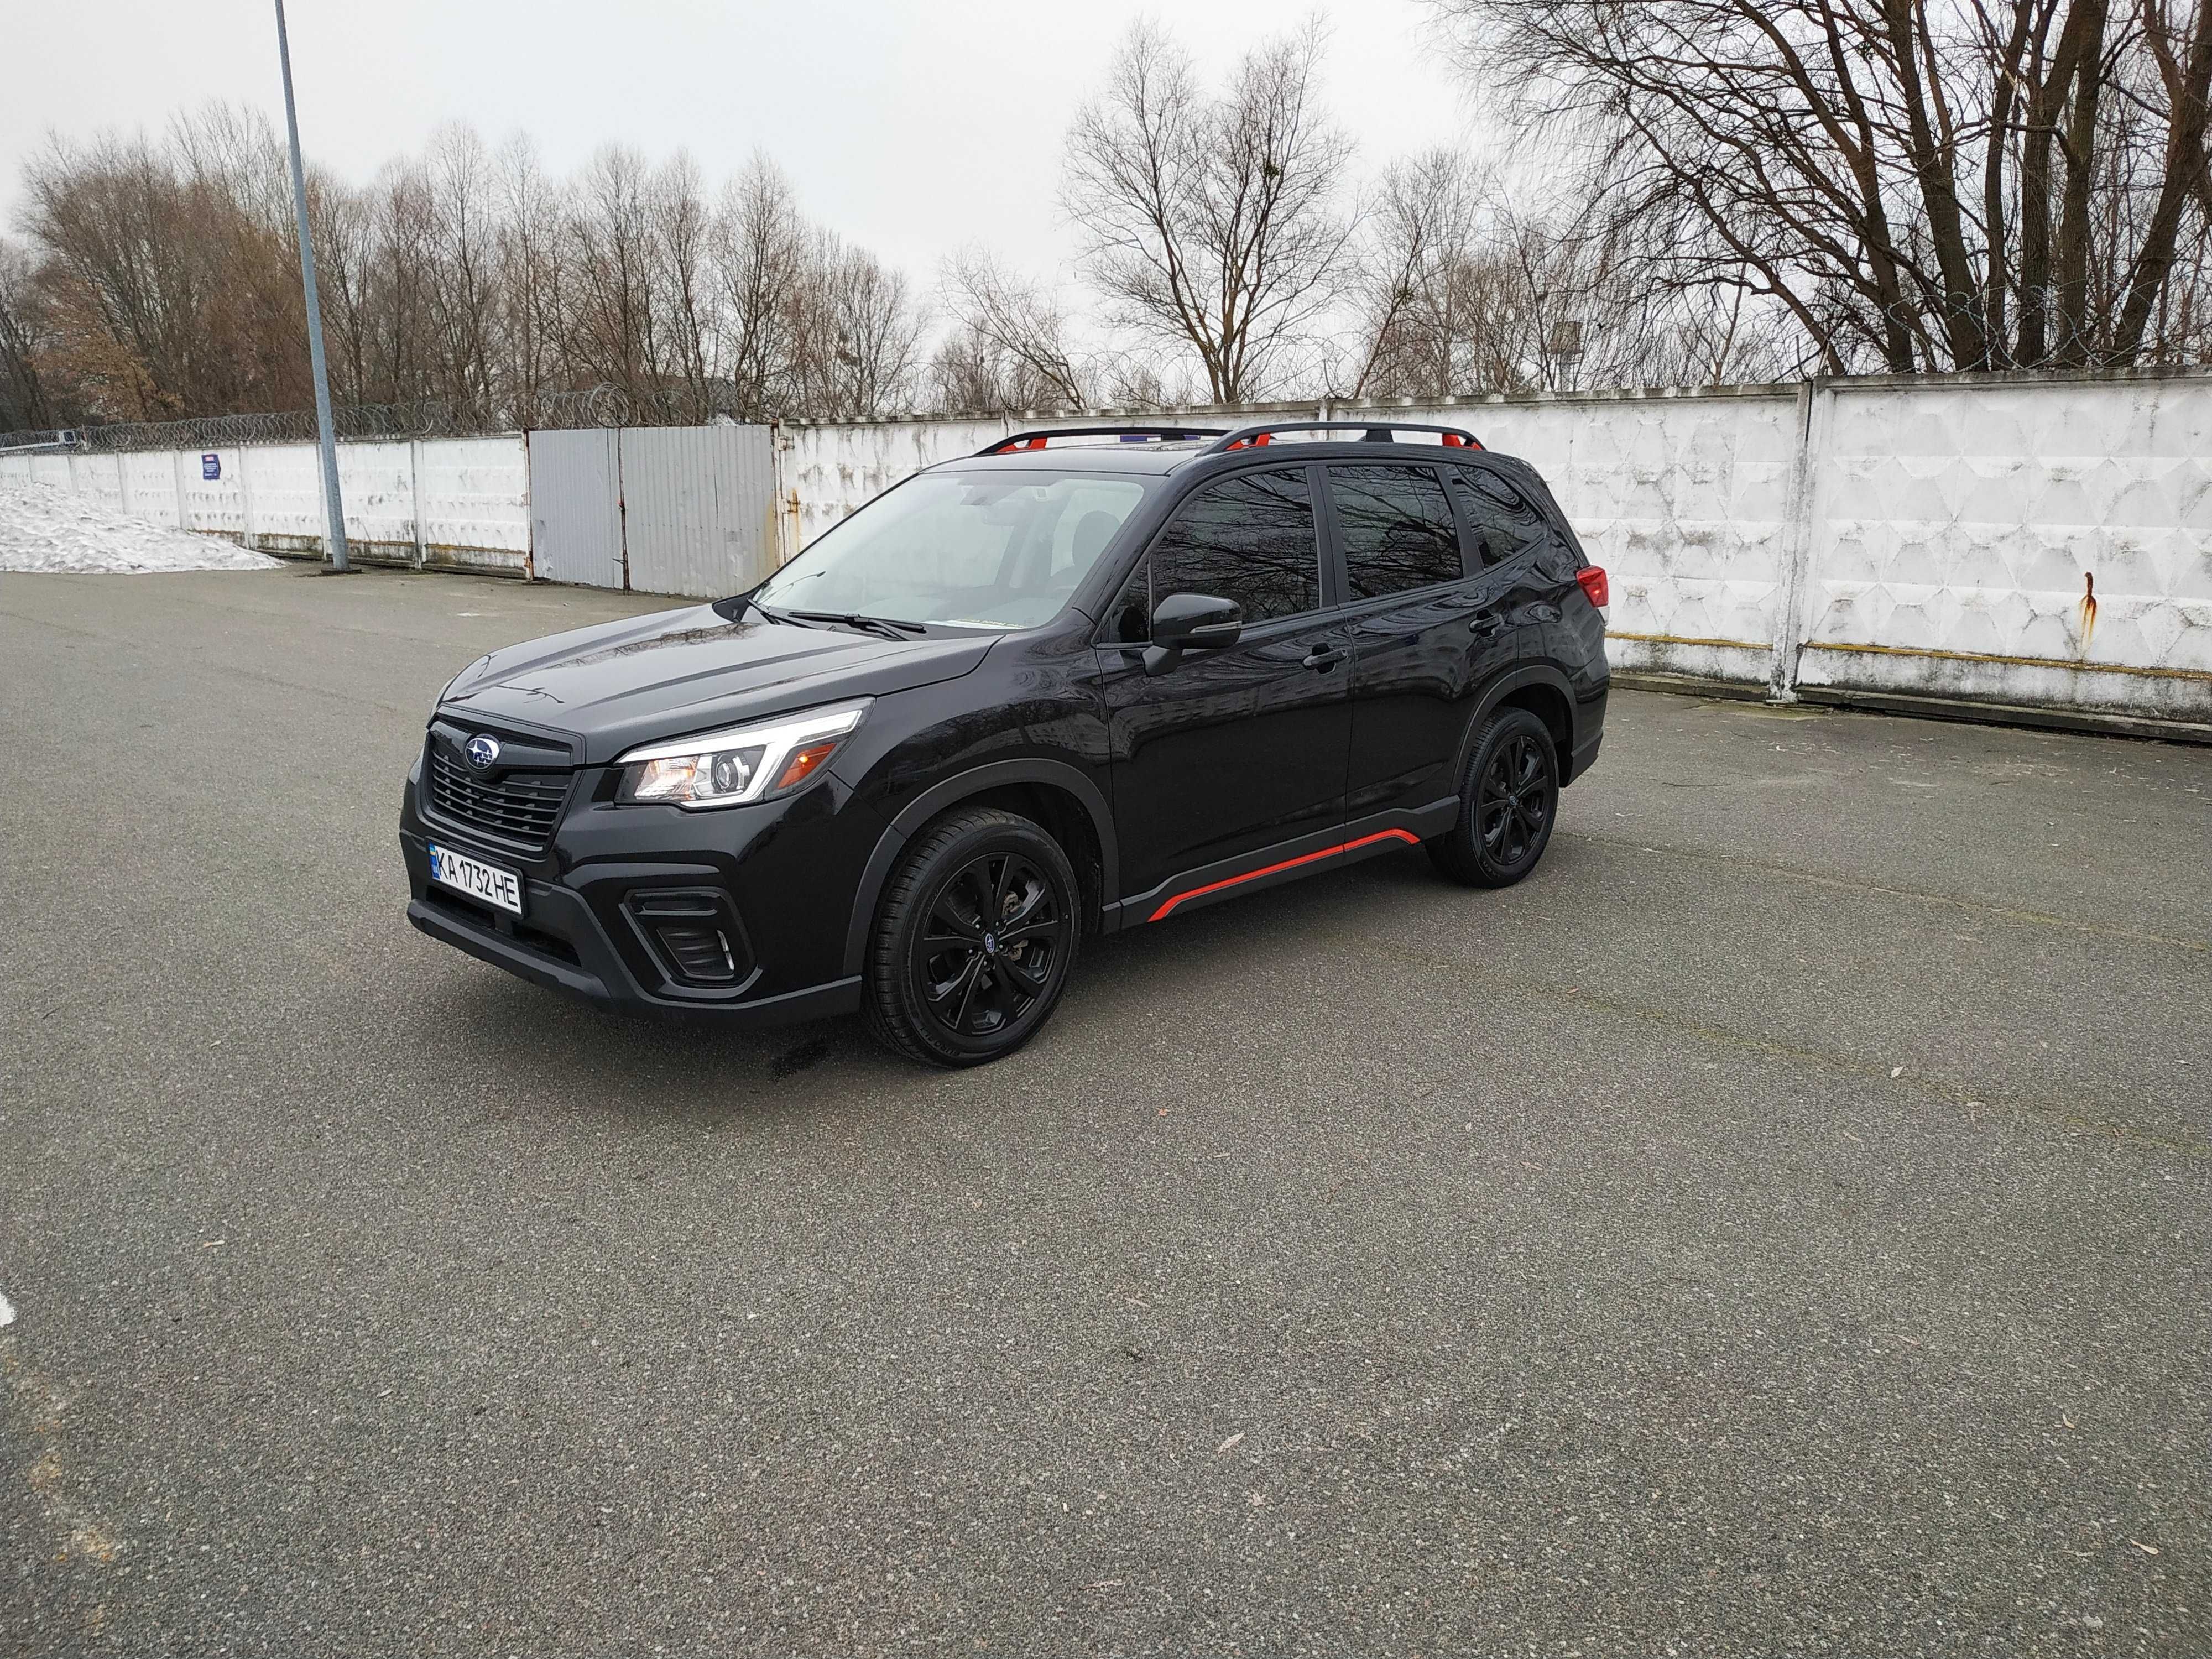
(745, 764)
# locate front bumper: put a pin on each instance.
(606, 982)
(785, 874)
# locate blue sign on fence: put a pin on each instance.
(210, 466)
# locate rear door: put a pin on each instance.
(1428, 589)
(1233, 753)
(1506, 515)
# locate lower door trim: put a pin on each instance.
(1381, 832)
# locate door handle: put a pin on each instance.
(1323, 658)
(1486, 622)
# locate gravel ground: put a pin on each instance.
(1779, 1227)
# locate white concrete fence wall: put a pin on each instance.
(1879, 537)
(450, 503)
(1884, 537)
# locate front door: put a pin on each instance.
(1230, 754)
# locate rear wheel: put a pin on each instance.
(1508, 801)
(974, 939)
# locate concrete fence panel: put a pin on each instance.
(211, 507)
(99, 479)
(2036, 542)
(475, 503)
(828, 471)
(149, 487)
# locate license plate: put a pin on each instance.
(485, 882)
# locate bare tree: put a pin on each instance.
(1213, 222)
(760, 259)
(1017, 331)
(1417, 274)
(462, 194)
(1917, 183)
(533, 265)
(615, 334)
(22, 393)
(683, 231)
(855, 337)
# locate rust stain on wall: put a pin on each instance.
(2088, 608)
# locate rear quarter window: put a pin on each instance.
(1503, 523)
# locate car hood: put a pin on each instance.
(619, 684)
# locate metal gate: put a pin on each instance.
(698, 509)
(685, 510)
(575, 507)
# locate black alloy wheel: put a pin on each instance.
(974, 939)
(1513, 806)
(988, 949)
(1509, 800)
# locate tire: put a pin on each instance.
(1511, 790)
(946, 987)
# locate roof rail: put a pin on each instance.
(1036, 440)
(1377, 432)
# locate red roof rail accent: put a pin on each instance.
(1371, 431)
(1029, 441)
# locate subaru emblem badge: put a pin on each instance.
(482, 751)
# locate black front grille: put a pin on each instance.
(519, 806)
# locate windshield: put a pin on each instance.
(976, 549)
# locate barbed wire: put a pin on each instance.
(598, 406)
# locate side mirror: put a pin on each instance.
(1191, 622)
(1196, 622)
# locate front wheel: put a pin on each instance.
(974, 939)
(1508, 800)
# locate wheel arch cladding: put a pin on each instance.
(1055, 796)
(1544, 692)
(1548, 704)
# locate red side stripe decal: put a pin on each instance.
(1406, 836)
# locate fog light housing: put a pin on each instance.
(692, 935)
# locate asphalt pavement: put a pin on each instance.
(1779, 1227)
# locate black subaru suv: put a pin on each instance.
(1085, 680)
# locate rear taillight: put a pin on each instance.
(1593, 583)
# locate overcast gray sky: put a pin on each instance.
(912, 128)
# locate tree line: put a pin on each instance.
(1698, 190)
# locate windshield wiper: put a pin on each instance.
(890, 628)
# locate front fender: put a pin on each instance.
(948, 793)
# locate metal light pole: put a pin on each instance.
(333, 509)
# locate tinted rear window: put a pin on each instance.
(1397, 529)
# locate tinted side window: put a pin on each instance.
(1397, 528)
(1249, 538)
(1129, 617)
(1500, 521)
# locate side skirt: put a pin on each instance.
(1271, 866)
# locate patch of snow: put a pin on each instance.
(46, 529)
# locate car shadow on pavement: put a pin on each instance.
(567, 1054)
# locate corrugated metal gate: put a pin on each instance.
(698, 509)
(659, 510)
(575, 507)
